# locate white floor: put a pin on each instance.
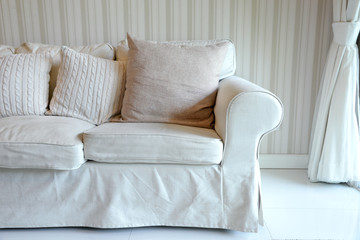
(294, 208)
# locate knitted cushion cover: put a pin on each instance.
(24, 84)
(88, 88)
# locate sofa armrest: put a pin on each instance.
(244, 113)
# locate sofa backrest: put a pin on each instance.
(6, 50)
(107, 51)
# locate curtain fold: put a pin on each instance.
(335, 140)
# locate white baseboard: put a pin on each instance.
(283, 160)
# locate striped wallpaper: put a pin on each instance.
(281, 44)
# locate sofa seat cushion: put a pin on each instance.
(43, 142)
(152, 143)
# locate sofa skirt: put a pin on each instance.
(105, 195)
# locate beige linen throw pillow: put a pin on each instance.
(172, 84)
(228, 66)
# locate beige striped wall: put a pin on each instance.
(281, 44)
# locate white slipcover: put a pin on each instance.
(152, 143)
(109, 195)
(42, 142)
(112, 195)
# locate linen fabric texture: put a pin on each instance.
(103, 50)
(24, 84)
(103, 195)
(172, 84)
(228, 66)
(207, 196)
(88, 88)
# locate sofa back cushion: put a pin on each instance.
(6, 50)
(88, 88)
(228, 66)
(172, 84)
(24, 84)
(104, 50)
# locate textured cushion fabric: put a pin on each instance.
(43, 142)
(88, 87)
(24, 84)
(103, 50)
(6, 50)
(152, 143)
(172, 84)
(228, 67)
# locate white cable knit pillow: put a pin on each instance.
(87, 87)
(103, 50)
(24, 84)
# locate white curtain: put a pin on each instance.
(335, 139)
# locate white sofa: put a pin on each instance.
(58, 171)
